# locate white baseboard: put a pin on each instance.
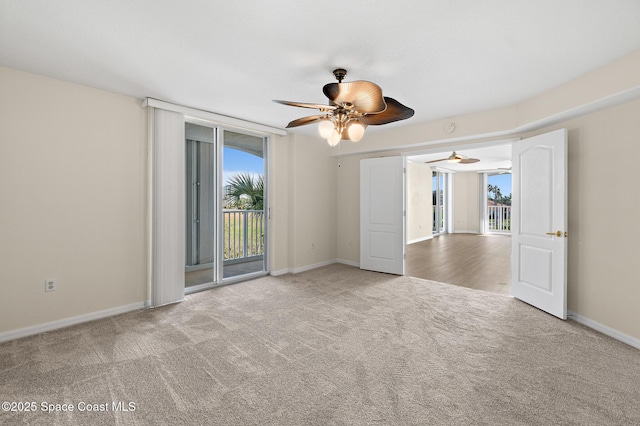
(348, 262)
(314, 266)
(464, 231)
(66, 322)
(417, 240)
(625, 338)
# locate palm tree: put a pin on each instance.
(496, 192)
(246, 191)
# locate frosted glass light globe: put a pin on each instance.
(325, 128)
(356, 131)
(334, 139)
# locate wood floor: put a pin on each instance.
(476, 261)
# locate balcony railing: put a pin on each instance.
(499, 218)
(243, 235)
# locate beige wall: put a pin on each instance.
(312, 202)
(466, 214)
(419, 202)
(72, 191)
(73, 179)
(604, 206)
(279, 203)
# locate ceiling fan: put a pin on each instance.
(456, 158)
(352, 107)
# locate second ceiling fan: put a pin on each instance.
(456, 158)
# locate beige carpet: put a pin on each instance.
(332, 346)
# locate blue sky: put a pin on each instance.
(503, 181)
(236, 161)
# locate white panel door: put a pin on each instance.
(539, 222)
(382, 215)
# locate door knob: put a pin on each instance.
(557, 233)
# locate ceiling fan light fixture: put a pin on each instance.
(352, 107)
(325, 128)
(356, 131)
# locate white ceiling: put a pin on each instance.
(441, 58)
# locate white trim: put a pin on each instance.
(66, 322)
(417, 240)
(213, 117)
(476, 145)
(597, 105)
(314, 266)
(625, 338)
(464, 231)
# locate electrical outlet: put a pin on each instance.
(50, 285)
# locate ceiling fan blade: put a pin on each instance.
(321, 107)
(468, 160)
(363, 96)
(456, 158)
(395, 112)
(305, 120)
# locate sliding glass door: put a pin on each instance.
(225, 202)
(244, 226)
(201, 194)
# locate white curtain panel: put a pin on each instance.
(168, 207)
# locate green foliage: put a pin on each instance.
(498, 198)
(246, 192)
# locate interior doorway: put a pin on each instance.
(461, 250)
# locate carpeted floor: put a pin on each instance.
(332, 346)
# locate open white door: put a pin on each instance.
(382, 215)
(539, 222)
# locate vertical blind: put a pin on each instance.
(168, 218)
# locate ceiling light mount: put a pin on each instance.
(340, 74)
